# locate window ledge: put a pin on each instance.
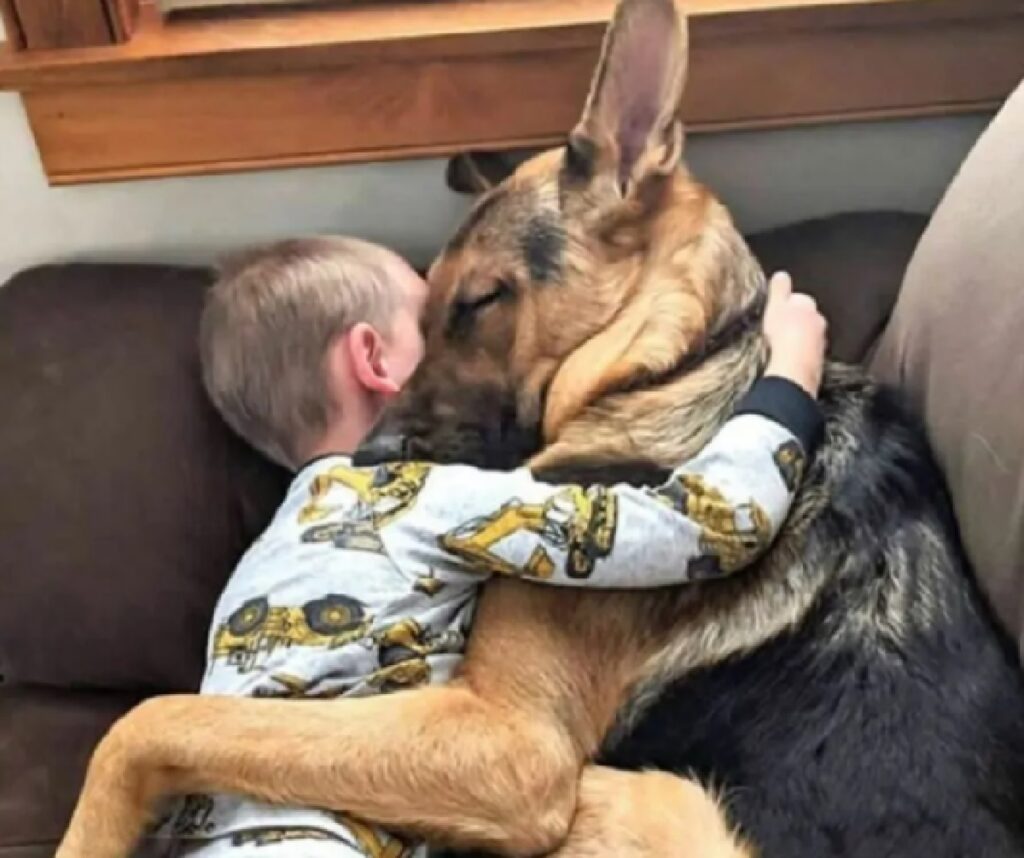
(380, 80)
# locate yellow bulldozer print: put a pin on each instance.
(255, 630)
(579, 522)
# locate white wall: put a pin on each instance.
(767, 177)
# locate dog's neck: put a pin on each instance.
(665, 420)
(666, 423)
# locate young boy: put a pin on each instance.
(365, 580)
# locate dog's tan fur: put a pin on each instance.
(498, 758)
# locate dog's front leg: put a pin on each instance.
(439, 763)
(113, 807)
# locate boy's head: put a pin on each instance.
(303, 341)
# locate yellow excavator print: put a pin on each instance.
(385, 491)
(730, 535)
(581, 523)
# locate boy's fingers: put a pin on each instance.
(804, 301)
(781, 285)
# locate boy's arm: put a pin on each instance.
(717, 513)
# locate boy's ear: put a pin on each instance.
(366, 355)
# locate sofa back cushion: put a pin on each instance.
(852, 265)
(125, 501)
(955, 343)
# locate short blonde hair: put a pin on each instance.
(266, 327)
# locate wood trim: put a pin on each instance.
(414, 31)
(123, 16)
(237, 94)
(48, 25)
(12, 26)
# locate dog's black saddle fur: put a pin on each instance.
(890, 722)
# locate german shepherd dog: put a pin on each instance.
(598, 316)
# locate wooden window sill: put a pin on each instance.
(379, 80)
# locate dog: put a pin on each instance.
(597, 315)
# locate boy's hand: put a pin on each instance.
(795, 331)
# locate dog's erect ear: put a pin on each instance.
(630, 124)
(476, 172)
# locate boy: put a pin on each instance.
(366, 578)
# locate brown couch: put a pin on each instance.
(124, 502)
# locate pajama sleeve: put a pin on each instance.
(716, 514)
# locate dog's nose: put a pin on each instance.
(379, 447)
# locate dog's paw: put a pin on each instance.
(648, 815)
(97, 841)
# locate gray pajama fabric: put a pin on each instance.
(366, 579)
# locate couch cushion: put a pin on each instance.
(954, 343)
(46, 739)
(128, 502)
(852, 264)
(125, 500)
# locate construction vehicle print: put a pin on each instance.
(350, 534)
(428, 585)
(255, 630)
(402, 674)
(579, 522)
(288, 686)
(730, 535)
(403, 648)
(270, 836)
(373, 843)
(789, 459)
(376, 843)
(405, 673)
(384, 491)
(194, 818)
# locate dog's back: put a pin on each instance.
(890, 720)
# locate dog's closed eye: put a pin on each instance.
(465, 309)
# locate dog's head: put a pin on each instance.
(595, 268)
